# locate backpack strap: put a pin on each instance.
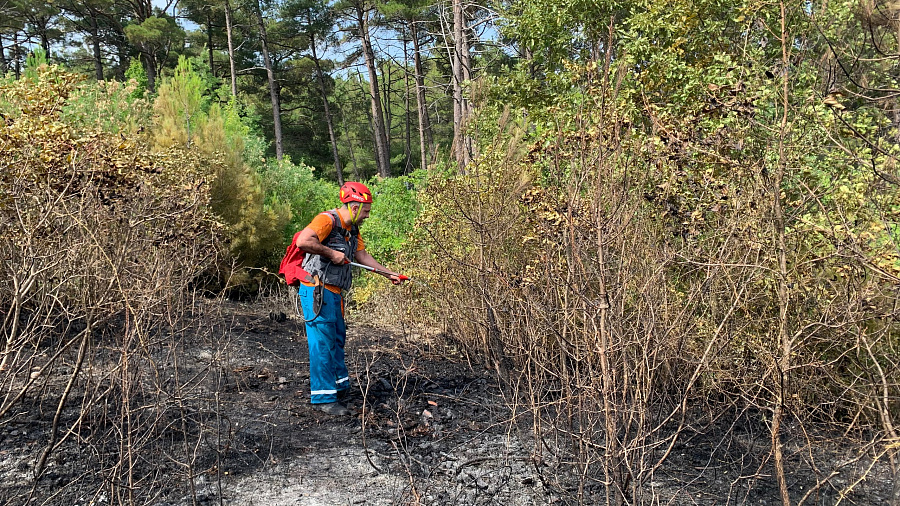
(336, 225)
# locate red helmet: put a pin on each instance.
(355, 192)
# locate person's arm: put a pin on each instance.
(309, 242)
(362, 256)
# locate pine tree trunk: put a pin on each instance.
(382, 153)
(425, 141)
(350, 144)
(17, 69)
(45, 42)
(369, 119)
(273, 85)
(122, 53)
(407, 149)
(328, 116)
(3, 65)
(462, 143)
(386, 81)
(95, 42)
(228, 29)
(150, 67)
(209, 41)
(143, 9)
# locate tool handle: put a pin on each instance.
(401, 277)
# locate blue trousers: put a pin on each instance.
(326, 335)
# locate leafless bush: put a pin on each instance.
(660, 305)
(101, 242)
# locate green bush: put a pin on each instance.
(296, 186)
(185, 117)
(393, 214)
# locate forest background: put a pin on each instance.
(647, 216)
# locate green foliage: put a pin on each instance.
(389, 227)
(357, 147)
(181, 107)
(296, 186)
(393, 214)
(37, 58)
(137, 73)
(110, 106)
(185, 118)
(155, 34)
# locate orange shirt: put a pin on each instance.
(322, 225)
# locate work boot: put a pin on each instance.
(332, 408)
(343, 394)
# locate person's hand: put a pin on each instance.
(339, 258)
(397, 278)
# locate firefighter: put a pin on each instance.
(331, 241)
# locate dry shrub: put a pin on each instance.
(642, 289)
(100, 241)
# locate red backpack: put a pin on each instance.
(292, 263)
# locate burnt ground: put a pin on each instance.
(428, 427)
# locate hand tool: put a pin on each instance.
(401, 277)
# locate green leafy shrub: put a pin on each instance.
(110, 106)
(389, 227)
(296, 186)
(393, 214)
(135, 72)
(185, 117)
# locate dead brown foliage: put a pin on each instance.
(657, 309)
(101, 242)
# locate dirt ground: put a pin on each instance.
(428, 427)
(425, 427)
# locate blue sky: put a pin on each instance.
(173, 9)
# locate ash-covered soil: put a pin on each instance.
(429, 426)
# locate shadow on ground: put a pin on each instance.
(428, 427)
